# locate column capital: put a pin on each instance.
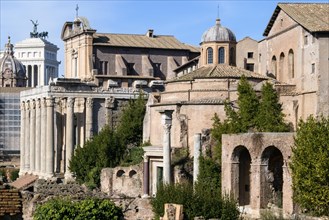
(89, 102)
(27, 105)
(33, 104)
(50, 102)
(43, 102)
(23, 106)
(70, 102)
(109, 102)
(38, 103)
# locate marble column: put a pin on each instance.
(37, 137)
(166, 144)
(22, 141)
(89, 118)
(50, 138)
(32, 136)
(43, 138)
(197, 149)
(69, 136)
(27, 136)
(146, 177)
(109, 105)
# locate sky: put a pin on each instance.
(186, 20)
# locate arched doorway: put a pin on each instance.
(241, 161)
(271, 177)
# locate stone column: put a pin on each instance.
(43, 137)
(32, 136)
(22, 141)
(69, 136)
(109, 105)
(197, 148)
(50, 138)
(89, 118)
(166, 144)
(37, 137)
(146, 177)
(27, 136)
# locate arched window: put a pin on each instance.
(281, 65)
(221, 55)
(291, 65)
(232, 60)
(210, 55)
(274, 67)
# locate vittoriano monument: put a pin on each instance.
(35, 33)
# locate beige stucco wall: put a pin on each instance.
(244, 46)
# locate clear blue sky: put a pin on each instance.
(186, 20)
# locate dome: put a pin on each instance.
(11, 68)
(218, 33)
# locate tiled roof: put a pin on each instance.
(24, 181)
(142, 41)
(312, 16)
(218, 71)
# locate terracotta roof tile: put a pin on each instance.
(312, 16)
(143, 41)
(218, 71)
(24, 181)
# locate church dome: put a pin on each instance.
(11, 68)
(218, 33)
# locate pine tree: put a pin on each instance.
(270, 117)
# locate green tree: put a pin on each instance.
(270, 117)
(103, 150)
(248, 103)
(310, 166)
(130, 128)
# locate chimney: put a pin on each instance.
(149, 33)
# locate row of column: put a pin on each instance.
(37, 144)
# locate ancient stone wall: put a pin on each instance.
(10, 204)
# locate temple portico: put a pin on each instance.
(57, 118)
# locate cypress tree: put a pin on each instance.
(270, 117)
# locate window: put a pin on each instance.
(221, 55)
(305, 39)
(281, 65)
(291, 65)
(232, 55)
(210, 55)
(250, 67)
(313, 68)
(274, 67)
(250, 55)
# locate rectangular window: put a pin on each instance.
(250, 55)
(250, 67)
(313, 68)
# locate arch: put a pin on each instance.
(241, 161)
(120, 173)
(132, 173)
(210, 55)
(281, 66)
(271, 178)
(221, 55)
(274, 66)
(291, 63)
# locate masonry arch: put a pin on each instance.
(274, 67)
(271, 177)
(241, 161)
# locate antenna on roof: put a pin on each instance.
(77, 10)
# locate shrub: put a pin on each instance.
(64, 209)
(14, 174)
(310, 166)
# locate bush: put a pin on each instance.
(64, 209)
(14, 174)
(310, 166)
